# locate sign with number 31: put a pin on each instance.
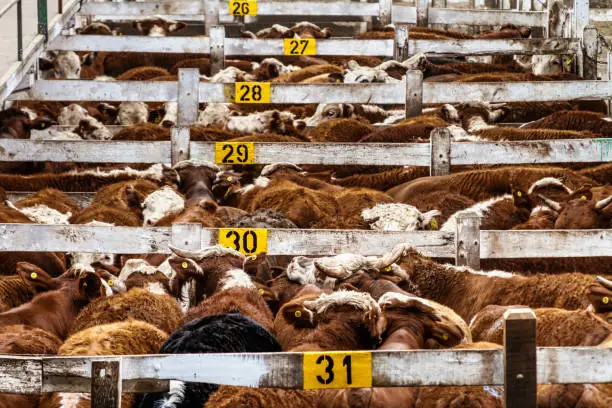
(335, 369)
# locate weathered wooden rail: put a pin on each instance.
(519, 367)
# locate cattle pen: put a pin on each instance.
(520, 366)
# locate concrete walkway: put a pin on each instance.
(8, 29)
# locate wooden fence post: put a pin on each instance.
(440, 140)
(414, 93)
(609, 79)
(211, 14)
(385, 8)
(188, 235)
(187, 112)
(467, 241)
(590, 47)
(217, 49)
(400, 49)
(520, 373)
(106, 383)
(422, 13)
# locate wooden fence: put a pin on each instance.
(519, 367)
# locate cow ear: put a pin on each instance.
(289, 34)
(45, 64)
(273, 71)
(38, 279)
(89, 285)
(134, 199)
(208, 205)
(335, 77)
(88, 58)
(179, 25)
(525, 32)
(42, 123)
(352, 64)
(327, 32)
(248, 34)
(583, 193)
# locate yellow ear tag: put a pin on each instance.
(605, 300)
(445, 337)
(388, 269)
(433, 224)
(298, 313)
(583, 198)
(519, 194)
(33, 275)
(110, 282)
(261, 292)
(230, 179)
(84, 284)
(184, 265)
(254, 257)
(569, 61)
(42, 125)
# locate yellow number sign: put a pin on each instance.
(249, 241)
(252, 92)
(243, 7)
(234, 153)
(337, 369)
(300, 46)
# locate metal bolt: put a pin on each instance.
(102, 372)
(520, 377)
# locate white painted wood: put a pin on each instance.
(84, 151)
(119, 91)
(20, 375)
(440, 152)
(63, 90)
(187, 98)
(217, 48)
(590, 50)
(414, 94)
(131, 43)
(127, 240)
(487, 17)
(484, 47)
(211, 14)
(437, 367)
(237, 46)
(600, 15)
(401, 154)
(545, 244)
(467, 251)
(401, 49)
(609, 69)
(395, 368)
(531, 152)
(312, 8)
(83, 238)
(403, 13)
(581, 16)
(180, 144)
(422, 13)
(145, 9)
(515, 91)
(384, 12)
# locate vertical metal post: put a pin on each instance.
(440, 140)
(467, 241)
(520, 373)
(106, 383)
(414, 93)
(187, 112)
(19, 30)
(400, 49)
(42, 19)
(188, 236)
(422, 13)
(217, 49)
(590, 48)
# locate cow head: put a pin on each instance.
(600, 296)
(326, 111)
(399, 217)
(97, 28)
(356, 74)
(132, 113)
(61, 64)
(158, 26)
(160, 203)
(309, 30)
(581, 211)
(226, 184)
(274, 32)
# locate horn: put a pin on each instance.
(389, 258)
(604, 282)
(603, 203)
(184, 253)
(338, 273)
(551, 203)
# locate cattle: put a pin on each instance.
(60, 64)
(158, 26)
